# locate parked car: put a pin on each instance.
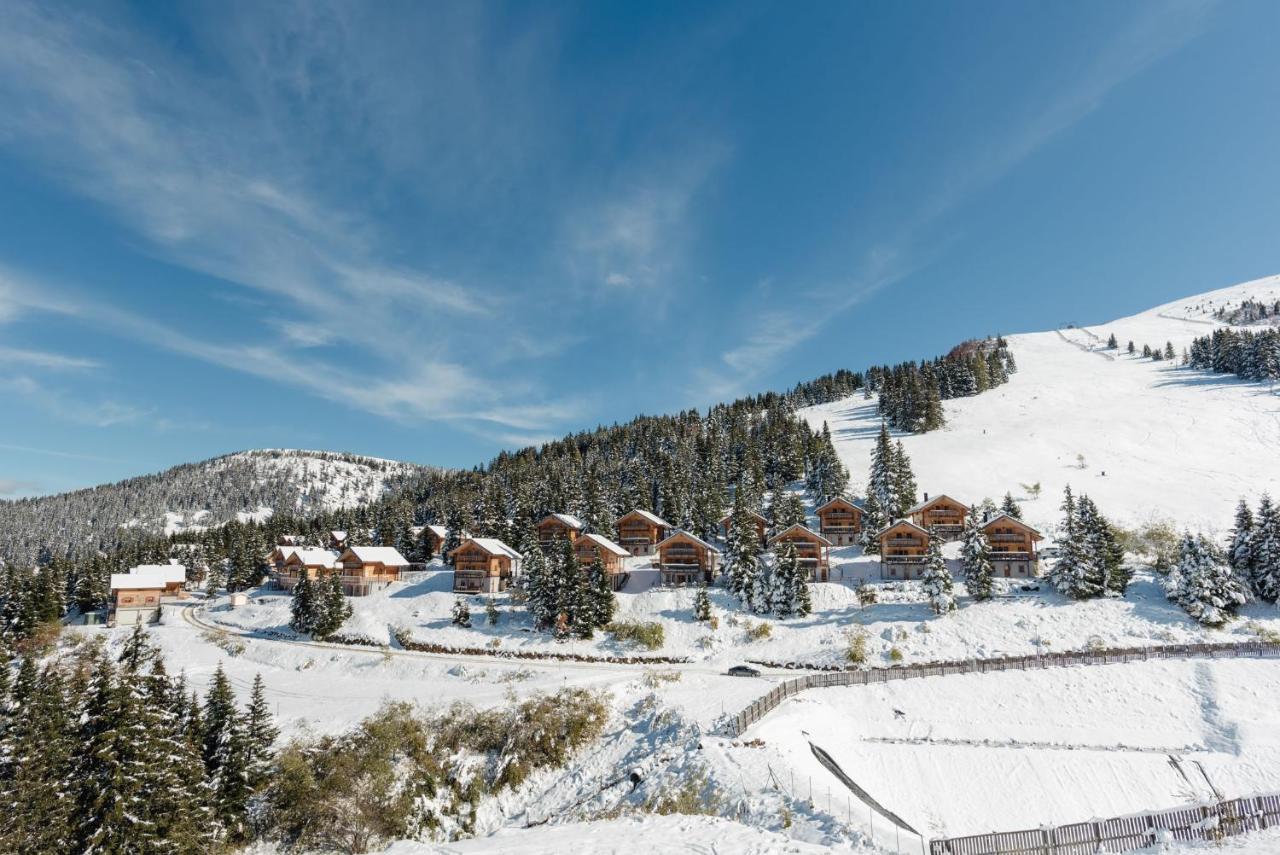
(743, 671)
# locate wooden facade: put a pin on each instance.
(942, 514)
(369, 568)
(312, 561)
(337, 539)
(811, 550)
(840, 521)
(1013, 547)
(903, 549)
(684, 559)
(136, 596)
(591, 548)
(483, 565)
(434, 536)
(762, 525)
(640, 532)
(555, 527)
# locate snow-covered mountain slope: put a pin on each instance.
(244, 485)
(1145, 439)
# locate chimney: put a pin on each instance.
(926, 497)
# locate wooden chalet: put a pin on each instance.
(903, 549)
(591, 548)
(684, 559)
(554, 527)
(840, 521)
(1013, 547)
(483, 565)
(811, 550)
(279, 555)
(312, 561)
(370, 568)
(640, 532)
(136, 596)
(434, 537)
(942, 514)
(762, 525)
(338, 539)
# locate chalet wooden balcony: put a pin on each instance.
(912, 542)
(902, 559)
(1011, 555)
(1007, 538)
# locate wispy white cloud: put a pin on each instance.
(44, 359)
(53, 452)
(12, 486)
(68, 407)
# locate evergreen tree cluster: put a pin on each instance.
(936, 578)
(975, 558)
(103, 756)
(565, 597)
(1204, 583)
(911, 393)
(1090, 559)
(1248, 312)
(1248, 354)
(319, 608)
(1254, 552)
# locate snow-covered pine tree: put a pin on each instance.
(261, 732)
(1103, 550)
(572, 611)
(331, 607)
(1070, 572)
(1239, 553)
(39, 747)
(461, 612)
(784, 580)
(787, 509)
(1208, 588)
(227, 758)
(1010, 506)
(1112, 344)
(1264, 550)
(303, 606)
(976, 560)
(702, 605)
(540, 586)
(599, 599)
(874, 519)
(904, 482)
(742, 554)
(936, 580)
(880, 479)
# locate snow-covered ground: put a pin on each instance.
(954, 755)
(1158, 440)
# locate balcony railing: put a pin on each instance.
(1007, 538)
(902, 559)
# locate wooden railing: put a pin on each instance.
(1211, 821)
(758, 709)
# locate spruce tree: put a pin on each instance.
(786, 581)
(874, 519)
(976, 560)
(904, 482)
(227, 757)
(787, 510)
(1208, 588)
(1010, 506)
(936, 581)
(742, 557)
(461, 612)
(262, 733)
(332, 609)
(1264, 551)
(702, 605)
(880, 481)
(303, 606)
(1239, 553)
(540, 587)
(40, 748)
(601, 602)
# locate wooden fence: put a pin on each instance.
(738, 724)
(1124, 833)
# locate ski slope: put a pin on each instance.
(1158, 441)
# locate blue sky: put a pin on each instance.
(432, 231)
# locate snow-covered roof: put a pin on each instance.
(938, 498)
(684, 535)
(493, 546)
(338, 534)
(439, 531)
(310, 556)
(905, 522)
(1011, 519)
(729, 517)
(605, 543)
(286, 550)
(387, 556)
(837, 500)
(653, 518)
(148, 576)
(568, 519)
(798, 527)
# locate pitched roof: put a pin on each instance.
(148, 576)
(491, 545)
(927, 502)
(802, 528)
(387, 556)
(311, 556)
(837, 500)
(1014, 520)
(729, 516)
(604, 543)
(681, 533)
(653, 518)
(568, 519)
(439, 531)
(905, 522)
